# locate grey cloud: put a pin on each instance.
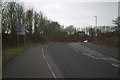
(79, 13)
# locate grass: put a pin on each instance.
(9, 54)
(111, 42)
(105, 45)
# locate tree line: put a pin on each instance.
(40, 29)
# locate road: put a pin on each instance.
(74, 61)
(104, 50)
(64, 60)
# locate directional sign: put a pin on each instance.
(20, 30)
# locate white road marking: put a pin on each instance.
(110, 58)
(106, 58)
(114, 59)
(76, 50)
(93, 57)
(90, 56)
(48, 64)
(116, 65)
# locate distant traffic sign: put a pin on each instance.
(20, 30)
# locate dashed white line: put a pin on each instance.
(114, 59)
(110, 58)
(90, 56)
(48, 64)
(106, 58)
(116, 65)
(76, 50)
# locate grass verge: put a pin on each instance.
(108, 41)
(106, 45)
(9, 54)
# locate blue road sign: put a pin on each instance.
(20, 30)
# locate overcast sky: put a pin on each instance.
(79, 14)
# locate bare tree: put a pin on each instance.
(117, 24)
(29, 23)
(70, 29)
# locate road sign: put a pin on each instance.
(20, 30)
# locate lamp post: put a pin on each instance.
(96, 27)
(96, 21)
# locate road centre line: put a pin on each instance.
(48, 64)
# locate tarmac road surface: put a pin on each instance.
(63, 60)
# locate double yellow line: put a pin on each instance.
(48, 63)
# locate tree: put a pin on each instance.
(20, 14)
(29, 25)
(36, 26)
(12, 16)
(1, 8)
(9, 22)
(98, 32)
(92, 32)
(117, 24)
(70, 30)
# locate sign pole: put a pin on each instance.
(25, 37)
(25, 40)
(18, 40)
(21, 30)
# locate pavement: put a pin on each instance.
(62, 60)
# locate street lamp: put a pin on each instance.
(96, 27)
(96, 24)
(96, 21)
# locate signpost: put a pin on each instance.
(21, 30)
